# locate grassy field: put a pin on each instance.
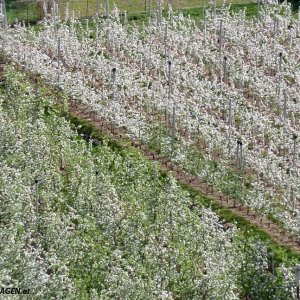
(117, 216)
(247, 230)
(89, 7)
(17, 11)
(136, 9)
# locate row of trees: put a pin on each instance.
(81, 222)
(188, 110)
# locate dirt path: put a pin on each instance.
(281, 236)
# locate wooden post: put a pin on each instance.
(166, 39)
(294, 152)
(235, 181)
(292, 198)
(97, 183)
(36, 188)
(220, 47)
(239, 165)
(87, 8)
(279, 77)
(280, 63)
(107, 8)
(229, 125)
(149, 8)
(159, 12)
(215, 8)
(297, 279)
(97, 8)
(173, 129)
(169, 80)
(114, 70)
(58, 59)
(27, 11)
(225, 69)
(140, 120)
(285, 108)
(4, 14)
(241, 155)
(54, 15)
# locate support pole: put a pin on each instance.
(294, 151)
(225, 69)
(229, 125)
(58, 59)
(285, 108)
(166, 40)
(4, 14)
(220, 47)
(97, 183)
(114, 70)
(297, 279)
(36, 189)
(159, 12)
(173, 129)
(239, 165)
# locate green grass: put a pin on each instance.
(99, 248)
(135, 6)
(24, 11)
(136, 10)
(251, 8)
(247, 229)
(248, 235)
(281, 253)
